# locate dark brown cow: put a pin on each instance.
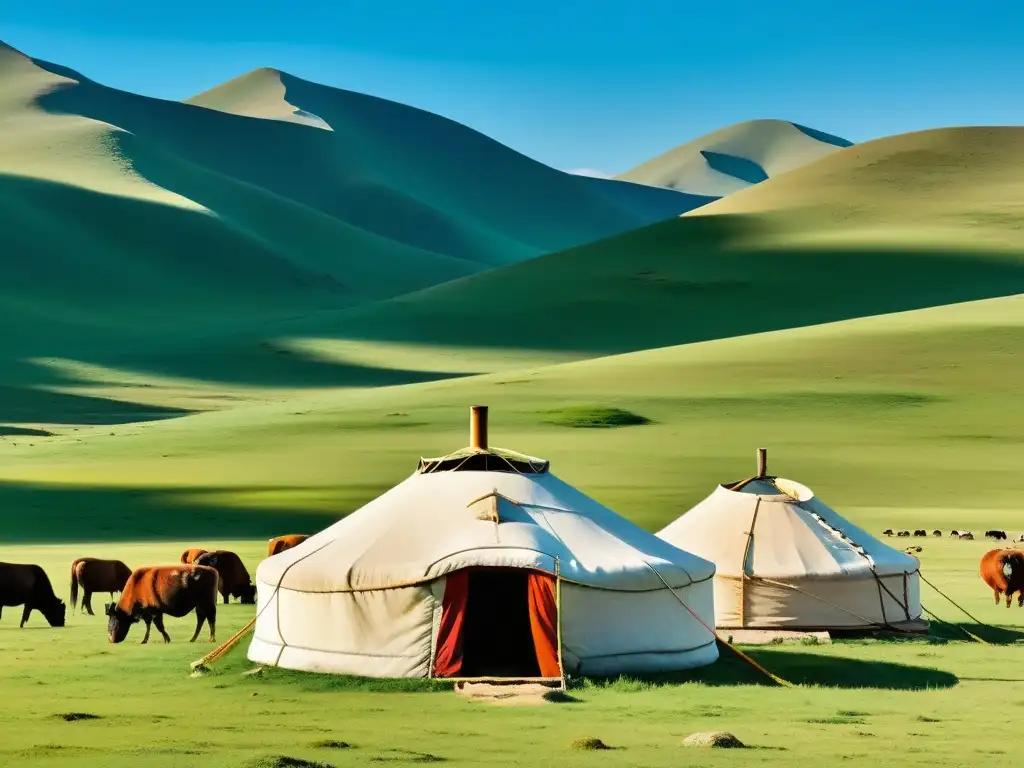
(94, 575)
(887, 532)
(234, 578)
(175, 590)
(282, 543)
(1003, 571)
(967, 536)
(189, 556)
(29, 585)
(936, 533)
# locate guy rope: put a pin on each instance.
(775, 678)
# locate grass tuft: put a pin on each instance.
(330, 744)
(285, 761)
(589, 742)
(593, 417)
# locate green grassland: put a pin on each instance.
(205, 346)
(927, 701)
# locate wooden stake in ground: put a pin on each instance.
(224, 647)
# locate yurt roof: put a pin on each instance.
(491, 459)
(777, 528)
(439, 521)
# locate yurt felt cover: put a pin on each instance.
(367, 595)
(785, 559)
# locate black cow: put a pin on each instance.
(998, 535)
(887, 532)
(28, 585)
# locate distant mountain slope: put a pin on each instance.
(125, 218)
(736, 157)
(432, 158)
(959, 186)
(900, 223)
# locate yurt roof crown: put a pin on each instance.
(480, 456)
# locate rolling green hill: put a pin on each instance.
(736, 157)
(900, 223)
(899, 418)
(132, 226)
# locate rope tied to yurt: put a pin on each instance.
(905, 605)
(865, 619)
(775, 678)
(230, 643)
(957, 605)
(955, 626)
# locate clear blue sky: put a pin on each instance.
(603, 87)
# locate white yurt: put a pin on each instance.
(784, 560)
(474, 567)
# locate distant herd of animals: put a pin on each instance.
(964, 535)
(147, 594)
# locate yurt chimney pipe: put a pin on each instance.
(478, 427)
(762, 462)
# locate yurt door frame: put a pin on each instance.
(449, 652)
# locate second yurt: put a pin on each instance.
(785, 560)
(484, 564)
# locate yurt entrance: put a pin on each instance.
(498, 623)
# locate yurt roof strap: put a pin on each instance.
(479, 456)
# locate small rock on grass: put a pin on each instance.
(721, 739)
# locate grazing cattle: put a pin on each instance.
(998, 535)
(28, 585)
(967, 536)
(94, 575)
(1021, 537)
(887, 532)
(1003, 571)
(189, 556)
(175, 590)
(936, 533)
(281, 543)
(234, 578)
(920, 532)
(954, 534)
(902, 534)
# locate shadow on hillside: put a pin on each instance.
(257, 363)
(797, 667)
(28, 405)
(55, 514)
(738, 167)
(687, 280)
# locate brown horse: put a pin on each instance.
(29, 585)
(175, 590)
(281, 543)
(234, 578)
(189, 556)
(94, 575)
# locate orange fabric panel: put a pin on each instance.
(543, 618)
(448, 657)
